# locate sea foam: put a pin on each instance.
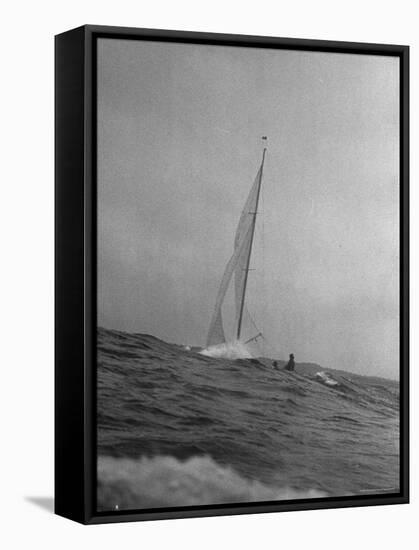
(164, 481)
(228, 350)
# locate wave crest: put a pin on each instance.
(165, 481)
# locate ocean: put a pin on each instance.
(178, 428)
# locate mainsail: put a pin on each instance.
(238, 264)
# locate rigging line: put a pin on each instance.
(260, 340)
(252, 320)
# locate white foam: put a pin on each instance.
(326, 379)
(228, 350)
(167, 481)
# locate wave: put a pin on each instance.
(164, 481)
(228, 350)
(225, 427)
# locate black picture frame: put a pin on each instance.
(75, 272)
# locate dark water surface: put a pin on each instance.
(178, 428)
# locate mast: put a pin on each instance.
(239, 324)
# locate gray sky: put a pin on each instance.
(178, 149)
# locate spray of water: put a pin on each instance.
(228, 350)
(125, 484)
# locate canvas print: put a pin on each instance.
(247, 274)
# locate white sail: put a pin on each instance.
(237, 265)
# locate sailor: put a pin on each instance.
(291, 363)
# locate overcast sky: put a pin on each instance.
(179, 130)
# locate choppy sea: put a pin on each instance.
(178, 428)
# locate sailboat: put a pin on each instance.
(238, 266)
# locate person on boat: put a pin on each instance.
(291, 363)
